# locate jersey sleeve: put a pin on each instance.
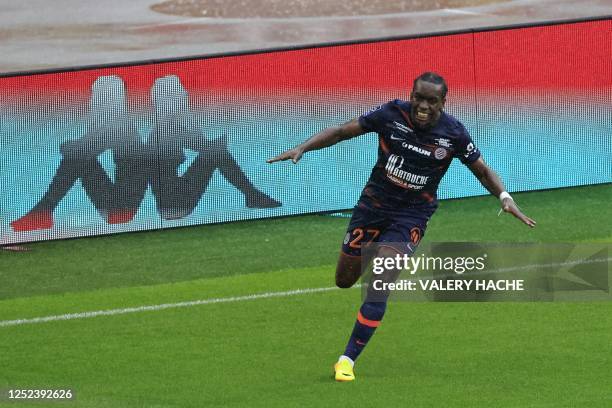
(374, 120)
(466, 150)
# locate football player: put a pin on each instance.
(417, 142)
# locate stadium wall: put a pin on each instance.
(155, 145)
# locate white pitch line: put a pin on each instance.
(112, 312)
(267, 295)
(548, 265)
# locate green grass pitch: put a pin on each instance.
(278, 351)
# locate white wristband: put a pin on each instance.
(504, 194)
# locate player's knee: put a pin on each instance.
(348, 271)
(344, 278)
(343, 282)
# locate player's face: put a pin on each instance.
(426, 103)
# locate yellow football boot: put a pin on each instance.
(344, 371)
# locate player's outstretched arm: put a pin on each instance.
(491, 181)
(325, 138)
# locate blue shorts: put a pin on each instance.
(402, 232)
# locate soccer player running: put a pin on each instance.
(417, 142)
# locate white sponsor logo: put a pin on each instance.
(393, 137)
(419, 150)
(402, 128)
(373, 110)
(403, 177)
(443, 142)
(440, 153)
(347, 237)
(469, 148)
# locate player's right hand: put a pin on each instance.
(294, 155)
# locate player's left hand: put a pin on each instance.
(509, 206)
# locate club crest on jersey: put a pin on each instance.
(440, 153)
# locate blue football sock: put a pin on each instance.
(368, 319)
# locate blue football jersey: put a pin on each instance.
(411, 162)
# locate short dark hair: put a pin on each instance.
(432, 78)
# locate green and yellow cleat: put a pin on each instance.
(344, 371)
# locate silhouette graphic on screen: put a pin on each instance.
(176, 129)
(138, 164)
(108, 127)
